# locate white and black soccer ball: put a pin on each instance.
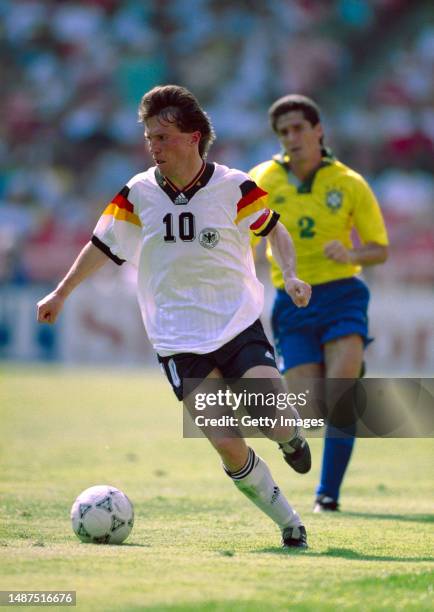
(102, 515)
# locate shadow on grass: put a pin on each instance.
(343, 553)
(122, 545)
(406, 518)
(135, 545)
(220, 605)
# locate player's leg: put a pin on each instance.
(232, 448)
(256, 482)
(343, 358)
(183, 372)
(251, 356)
(306, 370)
(297, 341)
(252, 477)
(344, 321)
(298, 344)
(294, 447)
(296, 453)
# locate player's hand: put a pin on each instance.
(49, 308)
(336, 251)
(299, 291)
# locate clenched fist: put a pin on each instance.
(299, 291)
(49, 308)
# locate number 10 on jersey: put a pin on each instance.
(186, 227)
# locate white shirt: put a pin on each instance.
(197, 287)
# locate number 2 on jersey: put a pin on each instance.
(306, 225)
(186, 229)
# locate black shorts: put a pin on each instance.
(249, 349)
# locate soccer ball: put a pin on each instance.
(102, 515)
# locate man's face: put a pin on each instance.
(168, 145)
(299, 138)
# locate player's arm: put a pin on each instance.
(368, 254)
(88, 261)
(283, 252)
(253, 211)
(117, 236)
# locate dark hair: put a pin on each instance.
(175, 104)
(297, 102)
(294, 102)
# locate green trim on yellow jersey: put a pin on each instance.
(334, 201)
(302, 186)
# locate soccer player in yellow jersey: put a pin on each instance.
(320, 201)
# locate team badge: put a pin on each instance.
(209, 237)
(334, 199)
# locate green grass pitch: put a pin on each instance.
(196, 544)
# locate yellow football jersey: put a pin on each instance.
(325, 207)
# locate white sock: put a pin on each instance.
(256, 482)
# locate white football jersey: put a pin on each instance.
(197, 286)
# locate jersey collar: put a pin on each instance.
(302, 186)
(179, 197)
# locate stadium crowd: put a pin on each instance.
(74, 71)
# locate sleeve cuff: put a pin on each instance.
(273, 220)
(105, 249)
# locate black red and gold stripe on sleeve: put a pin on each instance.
(121, 209)
(254, 199)
(265, 223)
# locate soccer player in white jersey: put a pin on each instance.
(185, 224)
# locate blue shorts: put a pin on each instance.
(336, 309)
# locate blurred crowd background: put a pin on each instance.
(73, 73)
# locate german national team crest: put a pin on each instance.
(209, 237)
(334, 199)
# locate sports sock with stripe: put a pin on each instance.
(255, 481)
